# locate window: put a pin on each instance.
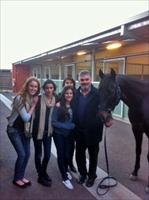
(54, 71)
(98, 65)
(47, 72)
(82, 66)
(138, 66)
(34, 73)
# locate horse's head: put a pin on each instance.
(109, 93)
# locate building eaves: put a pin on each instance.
(139, 20)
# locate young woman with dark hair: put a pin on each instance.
(42, 131)
(62, 133)
(70, 82)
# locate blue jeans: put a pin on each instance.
(41, 164)
(22, 147)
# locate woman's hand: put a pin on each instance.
(58, 104)
(34, 103)
(35, 100)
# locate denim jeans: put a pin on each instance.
(41, 165)
(22, 147)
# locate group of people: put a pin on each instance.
(71, 118)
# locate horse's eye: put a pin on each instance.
(111, 90)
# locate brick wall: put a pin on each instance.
(19, 74)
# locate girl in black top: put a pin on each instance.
(42, 131)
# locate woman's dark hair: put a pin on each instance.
(49, 82)
(70, 79)
(63, 112)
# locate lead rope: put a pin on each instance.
(147, 188)
(107, 182)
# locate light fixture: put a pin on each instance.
(62, 57)
(113, 45)
(49, 59)
(80, 53)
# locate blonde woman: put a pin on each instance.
(20, 127)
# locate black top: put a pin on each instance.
(19, 124)
(91, 123)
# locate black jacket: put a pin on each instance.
(93, 126)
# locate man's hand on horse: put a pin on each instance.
(108, 123)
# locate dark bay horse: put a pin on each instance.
(135, 94)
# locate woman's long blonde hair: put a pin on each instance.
(24, 90)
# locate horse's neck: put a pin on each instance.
(132, 91)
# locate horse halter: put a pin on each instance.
(114, 101)
(117, 97)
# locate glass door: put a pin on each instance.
(117, 64)
(69, 71)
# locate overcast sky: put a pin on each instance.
(32, 27)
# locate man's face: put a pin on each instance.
(85, 82)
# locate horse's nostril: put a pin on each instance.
(102, 116)
(109, 117)
(105, 116)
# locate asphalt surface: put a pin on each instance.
(121, 154)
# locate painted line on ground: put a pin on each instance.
(6, 101)
(116, 193)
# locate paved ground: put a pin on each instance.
(121, 153)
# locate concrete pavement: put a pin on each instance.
(57, 191)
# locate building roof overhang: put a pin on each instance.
(132, 30)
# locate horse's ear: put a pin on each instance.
(101, 74)
(113, 74)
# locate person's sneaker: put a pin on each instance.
(69, 176)
(68, 184)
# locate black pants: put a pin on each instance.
(63, 147)
(72, 148)
(41, 164)
(93, 150)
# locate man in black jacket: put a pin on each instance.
(89, 128)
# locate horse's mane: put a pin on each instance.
(133, 83)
